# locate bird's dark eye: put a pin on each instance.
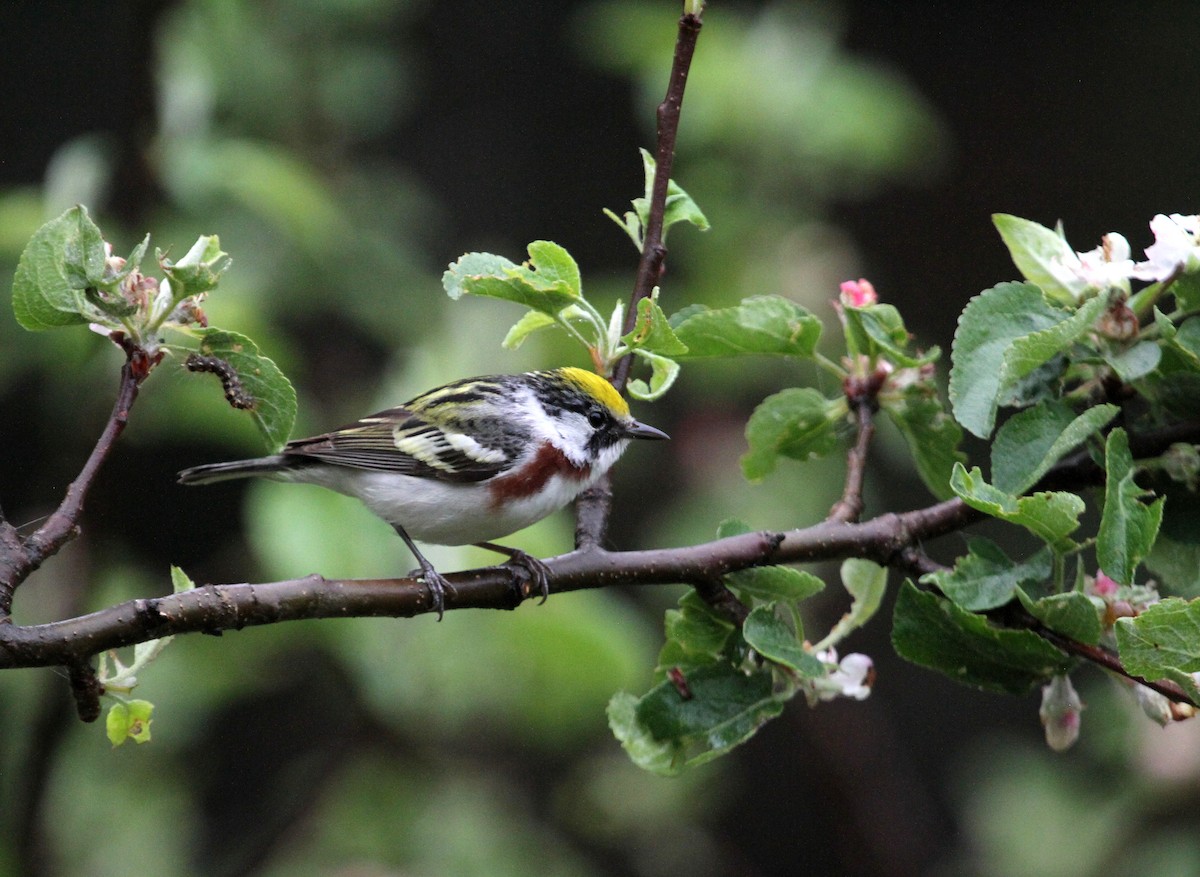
(596, 418)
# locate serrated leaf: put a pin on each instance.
(985, 577)
(1040, 254)
(1034, 350)
(1033, 440)
(772, 638)
(1128, 527)
(1072, 614)
(1051, 515)
(548, 283)
(663, 372)
(937, 634)
(797, 422)
(51, 273)
(766, 324)
(726, 708)
(1163, 642)
(652, 332)
(274, 399)
(932, 435)
(988, 329)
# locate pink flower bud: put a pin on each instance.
(858, 293)
(1104, 586)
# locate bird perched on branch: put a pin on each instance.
(465, 463)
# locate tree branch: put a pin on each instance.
(592, 508)
(850, 507)
(17, 559)
(654, 251)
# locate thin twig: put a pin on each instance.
(654, 251)
(592, 509)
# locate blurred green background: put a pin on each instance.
(345, 151)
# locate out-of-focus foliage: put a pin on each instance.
(392, 746)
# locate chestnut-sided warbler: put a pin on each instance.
(465, 463)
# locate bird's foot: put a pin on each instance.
(525, 569)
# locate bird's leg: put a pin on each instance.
(518, 560)
(434, 580)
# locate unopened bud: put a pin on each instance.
(858, 293)
(1060, 713)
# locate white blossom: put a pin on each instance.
(1175, 244)
(1108, 265)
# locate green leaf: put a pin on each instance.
(652, 332)
(663, 372)
(798, 423)
(1033, 440)
(696, 630)
(768, 583)
(772, 638)
(533, 321)
(199, 270)
(1136, 361)
(1176, 563)
(879, 329)
(180, 580)
(766, 324)
(679, 207)
(932, 435)
(1032, 351)
(1035, 250)
(1051, 515)
(937, 634)
(1128, 527)
(129, 721)
(1072, 614)
(1163, 642)
(866, 582)
(53, 271)
(1004, 335)
(726, 708)
(656, 756)
(273, 407)
(985, 577)
(548, 282)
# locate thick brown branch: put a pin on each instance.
(215, 608)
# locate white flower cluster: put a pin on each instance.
(1176, 247)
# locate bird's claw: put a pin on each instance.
(535, 569)
(437, 585)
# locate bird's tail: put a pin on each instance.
(237, 469)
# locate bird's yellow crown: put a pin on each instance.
(596, 386)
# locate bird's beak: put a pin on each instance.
(642, 431)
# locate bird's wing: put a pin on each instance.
(397, 440)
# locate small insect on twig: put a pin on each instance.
(235, 393)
